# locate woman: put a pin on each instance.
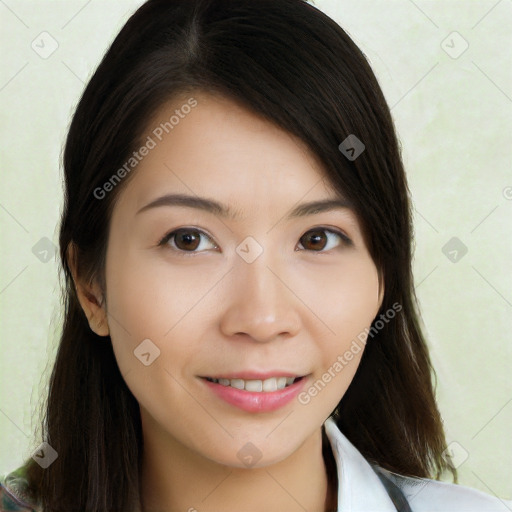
(240, 327)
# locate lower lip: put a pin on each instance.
(253, 401)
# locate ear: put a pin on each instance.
(90, 297)
(381, 289)
(381, 292)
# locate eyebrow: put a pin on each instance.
(216, 208)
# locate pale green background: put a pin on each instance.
(454, 121)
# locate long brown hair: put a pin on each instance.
(290, 63)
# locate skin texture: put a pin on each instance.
(211, 312)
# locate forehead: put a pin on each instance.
(218, 148)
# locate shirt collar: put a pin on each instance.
(359, 487)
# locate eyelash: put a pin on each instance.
(346, 241)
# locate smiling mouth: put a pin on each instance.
(254, 385)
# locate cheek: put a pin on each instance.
(142, 304)
(148, 300)
(152, 299)
(358, 301)
(343, 297)
(149, 296)
(348, 305)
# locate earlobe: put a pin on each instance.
(381, 294)
(381, 291)
(93, 305)
(90, 297)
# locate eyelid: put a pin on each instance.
(335, 230)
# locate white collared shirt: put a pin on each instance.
(360, 489)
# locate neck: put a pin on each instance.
(175, 478)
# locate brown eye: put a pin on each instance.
(186, 240)
(314, 240)
(323, 239)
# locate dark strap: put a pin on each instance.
(395, 493)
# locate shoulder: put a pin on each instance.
(426, 495)
(15, 495)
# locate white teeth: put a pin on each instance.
(265, 386)
(281, 382)
(270, 384)
(254, 385)
(237, 383)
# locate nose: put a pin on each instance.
(261, 304)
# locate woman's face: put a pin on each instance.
(260, 296)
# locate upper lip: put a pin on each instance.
(255, 375)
